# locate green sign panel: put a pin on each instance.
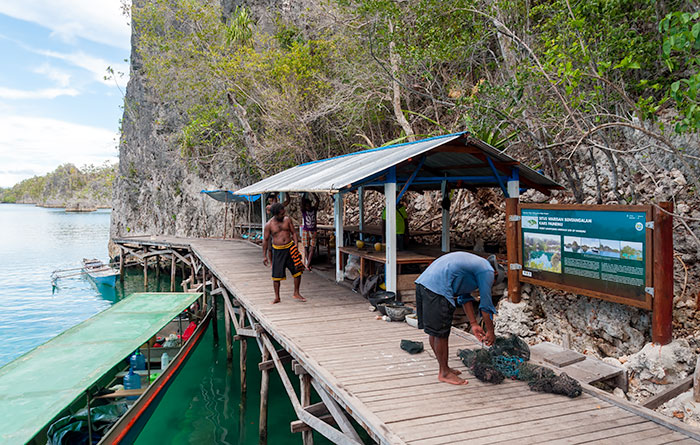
(596, 250)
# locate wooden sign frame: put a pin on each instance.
(649, 255)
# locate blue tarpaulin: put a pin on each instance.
(228, 196)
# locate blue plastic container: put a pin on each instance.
(137, 361)
(132, 381)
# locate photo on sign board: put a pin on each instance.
(572, 244)
(590, 246)
(631, 251)
(542, 252)
(610, 248)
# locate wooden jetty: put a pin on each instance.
(355, 364)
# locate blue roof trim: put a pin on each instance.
(385, 148)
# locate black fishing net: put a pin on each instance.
(508, 358)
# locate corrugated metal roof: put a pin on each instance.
(453, 156)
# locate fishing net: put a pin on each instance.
(508, 357)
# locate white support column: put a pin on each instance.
(361, 205)
(445, 221)
(513, 188)
(338, 220)
(263, 204)
(390, 203)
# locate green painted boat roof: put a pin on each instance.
(37, 386)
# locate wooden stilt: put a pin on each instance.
(145, 273)
(696, 382)
(244, 352)
(307, 437)
(157, 268)
(121, 264)
(229, 340)
(172, 273)
(264, 387)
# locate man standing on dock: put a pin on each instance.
(284, 253)
(449, 281)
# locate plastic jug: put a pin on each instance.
(164, 360)
(132, 381)
(137, 361)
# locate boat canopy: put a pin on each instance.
(228, 196)
(37, 386)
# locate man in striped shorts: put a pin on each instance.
(284, 253)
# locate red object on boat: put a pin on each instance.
(188, 332)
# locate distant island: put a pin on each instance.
(67, 186)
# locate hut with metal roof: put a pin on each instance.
(456, 160)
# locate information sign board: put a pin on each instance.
(600, 251)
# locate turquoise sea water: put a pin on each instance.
(204, 403)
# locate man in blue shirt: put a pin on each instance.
(447, 282)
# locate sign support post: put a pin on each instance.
(662, 315)
(512, 249)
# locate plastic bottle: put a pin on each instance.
(137, 361)
(132, 381)
(164, 360)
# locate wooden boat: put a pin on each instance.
(128, 427)
(100, 272)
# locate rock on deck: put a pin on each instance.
(395, 396)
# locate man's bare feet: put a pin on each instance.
(275, 301)
(454, 371)
(452, 379)
(299, 298)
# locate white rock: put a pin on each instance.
(685, 404)
(662, 365)
(618, 392)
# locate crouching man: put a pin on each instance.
(449, 281)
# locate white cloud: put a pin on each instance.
(100, 21)
(60, 77)
(35, 146)
(45, 93)
(95, 65)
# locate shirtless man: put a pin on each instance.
(284, 253)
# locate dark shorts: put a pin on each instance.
(434, 312)
(286, 257)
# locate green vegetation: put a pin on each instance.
(65, 184)
(552, 81)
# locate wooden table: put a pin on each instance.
(402, 257)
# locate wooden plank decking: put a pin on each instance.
(396, 396)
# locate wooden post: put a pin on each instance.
(172, 272)
(445, 245)
(157, 268)
(145, 274)
(227, 322)
(121, 264)
(264, 387)
(244, 351)
(512, 250)
(361, 205)
(307, 436)
(225, 217)
(662, 306)
(696, 382)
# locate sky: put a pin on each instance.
(56, 106)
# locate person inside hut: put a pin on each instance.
(308, 226)
(273, 198)
(284, 254)
(401, 224)
(447, 282)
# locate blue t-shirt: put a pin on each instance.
(456, 275)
